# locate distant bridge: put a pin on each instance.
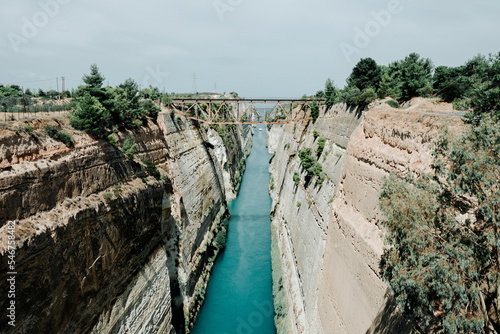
(246, 110)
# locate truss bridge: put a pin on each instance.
(246, 111)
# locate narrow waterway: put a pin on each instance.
(239, 295)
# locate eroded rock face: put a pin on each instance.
(102, 246)
(329, 236)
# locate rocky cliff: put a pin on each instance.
(106, 244)
(326, 227)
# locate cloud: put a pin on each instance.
(260, 47)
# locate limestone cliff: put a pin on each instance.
(103, 243)
(328, 234)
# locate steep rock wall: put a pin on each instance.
(329, 236)
(102, 246)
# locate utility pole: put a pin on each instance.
(24, 102)
(57, 84)
(195, 89)
(63, 87)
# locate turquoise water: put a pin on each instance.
(239, 295)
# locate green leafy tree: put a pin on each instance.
(366, 74)
(450, 83)
(443, 234)
(414, 73)
(90, 116)
(485, 97)
(150, 109)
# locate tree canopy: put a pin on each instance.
(366, 74)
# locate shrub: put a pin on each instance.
(461, 104)
(299, 204)
(107, 197)
(392, 103)
(28, 128)
(296, 178)
(314, 111)
(321, 146)
(305, 158)
(117, 191)
(150, 109)
(128, 147)
(152, 170)
(443, 265)
(315, 134)
(112, 139)
(166, 100)
(61, 136)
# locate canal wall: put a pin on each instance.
(326, 227)
(106, 244)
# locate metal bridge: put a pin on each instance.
(246, 110)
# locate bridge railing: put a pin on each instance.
(247, 110)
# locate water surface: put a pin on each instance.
(239, 295)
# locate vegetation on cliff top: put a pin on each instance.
(99, 108)
(443, 234)
(474, 86)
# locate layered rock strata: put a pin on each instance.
(328, 231)
(105, 244)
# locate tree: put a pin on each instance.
(331, 93)
(486, 84)
(366, 74)
(126, 104)
(94, 87)
(387, 85)
(449, 83)
(443, 234)
(314, 111)
(94, 79)
(90, 116)
(415, 73)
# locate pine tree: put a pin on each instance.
(90, 116)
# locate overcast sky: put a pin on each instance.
(257, 48)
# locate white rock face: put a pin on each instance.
(330, 236)
(142, 308)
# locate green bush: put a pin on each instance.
(438, 259)
(299, 204)
(112, 139)
(166, 100)
(107, 197)
(321, 146)
(392, 103)
(314, 111)
(315, 134)
(117, 191)
(28, 128)
(305, 158)
(128, 147)
(152, 170)
(61, 136)
(150, 109)
(296, 178)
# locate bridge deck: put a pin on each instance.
(245, 111)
